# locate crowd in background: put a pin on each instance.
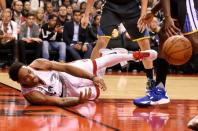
(51, 29)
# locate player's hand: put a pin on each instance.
(170, 28)
(99, 82)
(84, 22)
(84, 97)
(141, 24)
(148, 18)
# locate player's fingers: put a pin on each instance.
(85, 95)
(80, 97)
(89, 93)
(169, 32)
(176, 29)
(102, 85)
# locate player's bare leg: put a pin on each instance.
(156, 94)
(101, 43)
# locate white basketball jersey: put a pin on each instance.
(62, 84)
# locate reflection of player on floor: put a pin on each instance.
(187, 21)
(46, 82)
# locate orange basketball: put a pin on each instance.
(177, 50)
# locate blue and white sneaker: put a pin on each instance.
(156, 95)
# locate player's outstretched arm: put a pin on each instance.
(37, 98)
(44, 64)
(85, 18)
(170, 28)
(141, 23)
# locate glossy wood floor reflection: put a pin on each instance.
(102, 115)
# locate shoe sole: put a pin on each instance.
(160, 102)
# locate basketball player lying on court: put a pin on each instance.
(46, 82)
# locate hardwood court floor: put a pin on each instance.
(113, 111)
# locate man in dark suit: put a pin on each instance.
(76, 38)
(29, 38)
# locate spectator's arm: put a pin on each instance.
(46, 36)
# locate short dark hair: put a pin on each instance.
(30, 13)
(52, 16)
(14, 70)
(76, 11)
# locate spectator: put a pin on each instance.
(36, 4)
(17, 12)
(154, 30)
(40, 17)
(52, 35)
(8, 32)
(29, 38)
(49, 10)
(66, 2)
(83, 6)
(75, 6)
(26, 8)
(93, 28)
(98, 5)
(69, 13)
(76, 38)
(62, 15)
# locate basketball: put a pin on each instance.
(177, 50)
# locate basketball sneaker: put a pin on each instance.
(156, 95)
(145, 55)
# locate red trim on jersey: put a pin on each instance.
(95, 73)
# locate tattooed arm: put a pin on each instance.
(37, 98)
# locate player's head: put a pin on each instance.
(22, 74)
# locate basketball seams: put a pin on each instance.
(177, 50)
(180, 50)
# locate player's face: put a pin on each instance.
(27, 77)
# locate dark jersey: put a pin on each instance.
(186, 11)
(120, 1)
